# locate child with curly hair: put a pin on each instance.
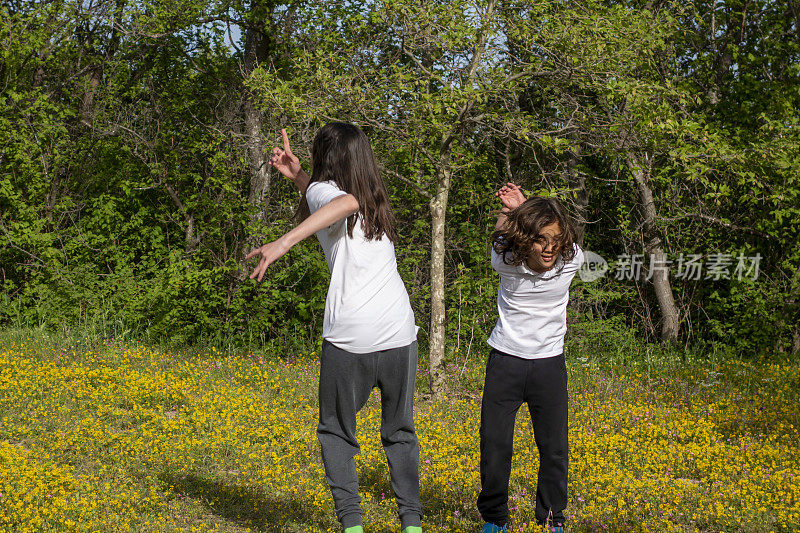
(534, 251)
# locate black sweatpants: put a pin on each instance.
(542, 384)
(345, 383)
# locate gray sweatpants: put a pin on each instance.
(345, 383)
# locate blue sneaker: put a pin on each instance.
(557, 528)
(488, 527)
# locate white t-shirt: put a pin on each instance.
(532, 308)
(367, 308)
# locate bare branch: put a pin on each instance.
(720, 222)
(411, 182)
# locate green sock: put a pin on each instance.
(354, 529)
(412, 529)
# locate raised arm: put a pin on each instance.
(511, 196)
(334, 211)
(288, 164)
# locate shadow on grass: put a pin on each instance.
(374, 478)
(246, 506)
(436, 503)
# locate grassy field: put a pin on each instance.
(120, 437)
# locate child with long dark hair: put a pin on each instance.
(534, 251)
(369, 336)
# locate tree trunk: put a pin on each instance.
(653, 245)
(438, 207)
(258, 194)
(87, 102)
(191, 241)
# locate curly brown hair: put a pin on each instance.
(522, 229)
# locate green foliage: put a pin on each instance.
(124, 180)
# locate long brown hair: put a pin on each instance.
(342, 153)
(523, 226)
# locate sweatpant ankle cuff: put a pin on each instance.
(496, 521)
(350, 520)
(410, 519)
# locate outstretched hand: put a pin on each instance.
(284, 161)
(270, 253)
(511, 196)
